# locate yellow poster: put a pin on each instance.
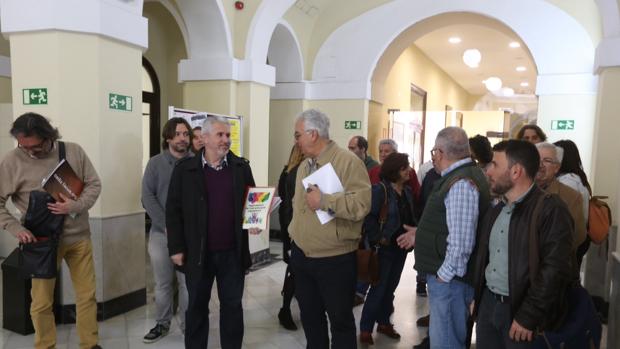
(196, 118)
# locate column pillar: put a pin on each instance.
(80, 63)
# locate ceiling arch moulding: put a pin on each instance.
(178, 18)
(268, 15)
(409, 36)
(562, 48)
(285, 54)
(112, 18)
(608, 50)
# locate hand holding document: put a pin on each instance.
(326, 179)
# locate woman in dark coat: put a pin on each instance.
(382, 230)
(286, 190)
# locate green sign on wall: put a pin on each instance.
(34, 96)
(119, 102)
(352, 125)
(562, 124)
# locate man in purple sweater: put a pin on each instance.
(205, 235)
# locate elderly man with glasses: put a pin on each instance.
(550, 160)
(446, 236)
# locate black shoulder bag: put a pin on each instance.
(38, 259)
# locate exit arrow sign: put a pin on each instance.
(562, 124)
(119, 102)
(352, 125)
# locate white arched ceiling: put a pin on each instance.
(345, 63)
(210, 46)
(285, 54)
(267, 16)
(608, 50)
(167, 4)
(410, 35)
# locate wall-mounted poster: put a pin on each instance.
(196, 118)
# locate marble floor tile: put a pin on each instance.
(261, 303)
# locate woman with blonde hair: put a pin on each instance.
(286, 191)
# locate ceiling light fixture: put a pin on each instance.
(493, 83)
(508, 92)
(472, 58)
(525, 84)
(514, 44)
(454, 40)
(521, 68)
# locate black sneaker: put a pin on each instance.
(156, 333)
(286, 319)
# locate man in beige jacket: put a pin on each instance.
(22, 171)
(550, 160)
(323, 255)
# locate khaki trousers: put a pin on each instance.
(79, 259)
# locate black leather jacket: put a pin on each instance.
(541, 305)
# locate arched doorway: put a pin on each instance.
(151, 114)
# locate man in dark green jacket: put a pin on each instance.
(446, 236)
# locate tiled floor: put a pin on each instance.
(261, 303)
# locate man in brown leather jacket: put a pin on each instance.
(510, 308)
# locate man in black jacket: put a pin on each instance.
(205, 235)
(515, 299)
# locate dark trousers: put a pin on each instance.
(223, 266)
(326, 285)
(493, 326)
(378, 306)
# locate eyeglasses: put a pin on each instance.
(33, 148)
(435, 150)
(548, 161)
(297, 135)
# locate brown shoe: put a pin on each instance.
(366, 338)
(388, 330)
(423, 321)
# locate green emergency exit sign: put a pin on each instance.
(34, 96)
(119, 102)
(352, 125)
(562, 124)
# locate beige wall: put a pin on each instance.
(166, 49)
(216, 96)
(282, 114)
(5, 90)
(414, 67)
(78, 104)
(5, 49)
(479, 122)
(338, 112)
(581, 109)
(605, 166)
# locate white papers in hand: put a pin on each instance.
(328, 182)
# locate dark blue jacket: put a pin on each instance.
(393, 222)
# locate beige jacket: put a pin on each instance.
(20, 174)
(341, 235)
(573, 201)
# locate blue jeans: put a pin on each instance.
(449, 307)
(378, 304)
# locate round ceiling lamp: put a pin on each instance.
(472, 57)
(508, 92)
(493, 83)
